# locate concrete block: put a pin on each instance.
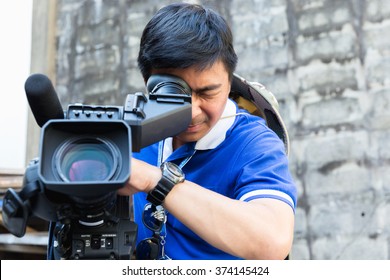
(349, 248)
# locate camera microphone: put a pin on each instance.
(43, 99)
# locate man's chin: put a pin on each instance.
(186, 137)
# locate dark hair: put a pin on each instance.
(182, 35)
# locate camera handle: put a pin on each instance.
(16, 205)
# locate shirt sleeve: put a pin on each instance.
(264, 170)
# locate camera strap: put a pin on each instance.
(163, 154)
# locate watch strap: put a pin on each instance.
(158, 194)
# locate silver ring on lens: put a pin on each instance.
(87, 158)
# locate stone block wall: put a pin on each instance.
(328, 64)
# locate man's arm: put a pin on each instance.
(260, 229)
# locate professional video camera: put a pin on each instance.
(84, 158)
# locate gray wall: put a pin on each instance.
(326, 62)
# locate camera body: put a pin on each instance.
(84, 159)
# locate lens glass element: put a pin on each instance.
(86, 160)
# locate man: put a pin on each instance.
(238, 198)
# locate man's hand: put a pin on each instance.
(143, 178)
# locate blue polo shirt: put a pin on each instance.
(240, 158)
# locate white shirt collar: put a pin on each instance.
(217, 134)
(214, 137)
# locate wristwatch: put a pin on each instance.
(171, 176)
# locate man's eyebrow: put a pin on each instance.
(206, 88)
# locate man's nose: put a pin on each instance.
(196, 102)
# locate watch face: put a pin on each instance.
(173, 172)
(174, 169)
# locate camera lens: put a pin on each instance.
(87, 159)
